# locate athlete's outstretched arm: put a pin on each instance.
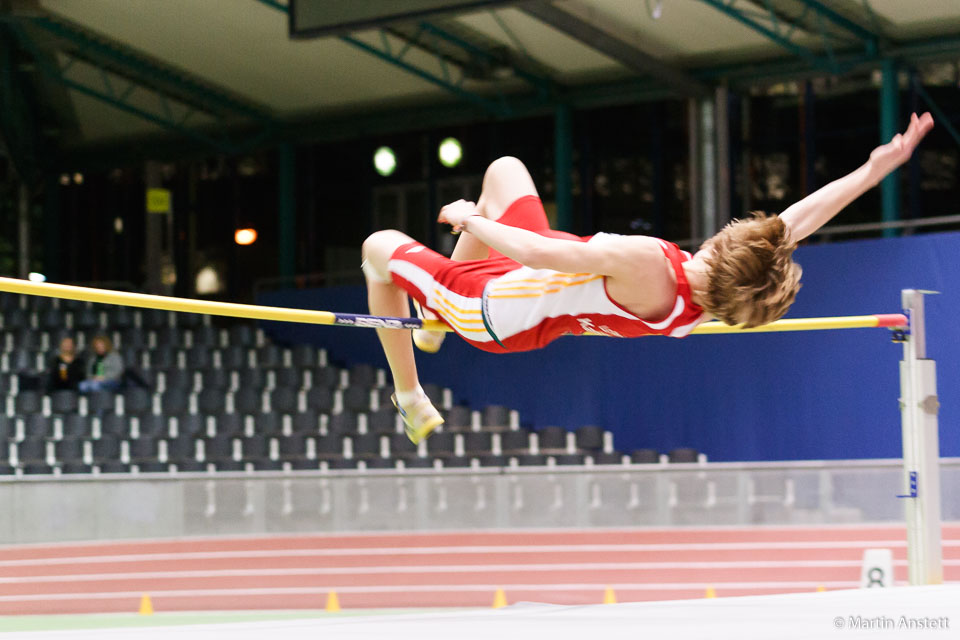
(814, 211)
(529, 248)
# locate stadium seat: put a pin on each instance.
(37, 426)
(119, 317)
(75, 468)
(137, 401)
(154, 319)
(26, 339)
(63, 401)
(175, 401)
(178, 379)
(366, 446)
(153, 467)
(363, 375)
(457, 418)
(76, 426)
(7, 428)
(170, 337)
(27, 402)
(252, 380)
(384, 421)
(100, 402)
(569, 459)
(230, 423)
(198, 358)
(477, 442)
(304, 356)
(218, 379)
(248, 401)
(401, 447)
(266, 464)
(68, 450)
(16, 318)
(328, 377)
(181, 449)
(288, 378)
(454, 462)
(220, 447)
(190, 466)
(552, 440)
(495, 417)
(515, 442)
(113, 466)
(645, 456)
(269, 357)
(343, 423)
(306, 423)
(153, 426)
(162, 358)
(51, 320)
(607, 458)
(206, 336)
(234, 357)
(268, 423)
(379, 463)
(242, 335)
(683, 455)
(320, 399)
(230, 465)
(37, 468)
(356, 399)
(255, 447)
(493, 460)
(329, 447)
(211, 401)
(435, 393)
(106, 448)
(441, 444)
(304, 465)
(114, 425)
(293, 447)
(531, 460)
(283, 400)
(417, 463)
(193, 425)
(4, 452)
(589, 438)
(144, 449)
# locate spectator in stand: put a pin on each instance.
(66, 369)
(106, 367)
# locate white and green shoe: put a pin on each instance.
(420, 419)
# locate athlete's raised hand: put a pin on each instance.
(888, 157)
(456, 212)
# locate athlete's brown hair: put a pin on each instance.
(752, 278)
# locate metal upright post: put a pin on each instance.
(921, 449)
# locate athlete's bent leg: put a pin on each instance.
(387, 299)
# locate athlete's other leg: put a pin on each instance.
(385, 298)
(506, 181)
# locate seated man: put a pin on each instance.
(66, 369)
(106, 367)
(513, 284)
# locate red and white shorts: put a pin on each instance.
(454, 290)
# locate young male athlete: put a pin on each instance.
(513, 284)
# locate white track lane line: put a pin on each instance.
(463, 550)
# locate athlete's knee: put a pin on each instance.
(505, 167)
(376, 252)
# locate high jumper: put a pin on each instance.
(513, 284)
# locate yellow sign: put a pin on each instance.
(158, 201)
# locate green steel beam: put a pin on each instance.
(386, 54)
(942, 119)
(870, 40)
(287, 218)
(494, 107)
(889, 126)
(563, 165)
(18, 125)
(781, 32)
(163, 80)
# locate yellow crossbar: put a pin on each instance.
(308, 316)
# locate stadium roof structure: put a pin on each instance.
(166, 79)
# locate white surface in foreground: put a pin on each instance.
(854, 614)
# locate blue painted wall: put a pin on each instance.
(811, 395)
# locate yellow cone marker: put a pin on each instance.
(609, 597)
(499, 599)
(333, 602)
(146, 607)
(710, 593)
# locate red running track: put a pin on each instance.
(444, 569)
